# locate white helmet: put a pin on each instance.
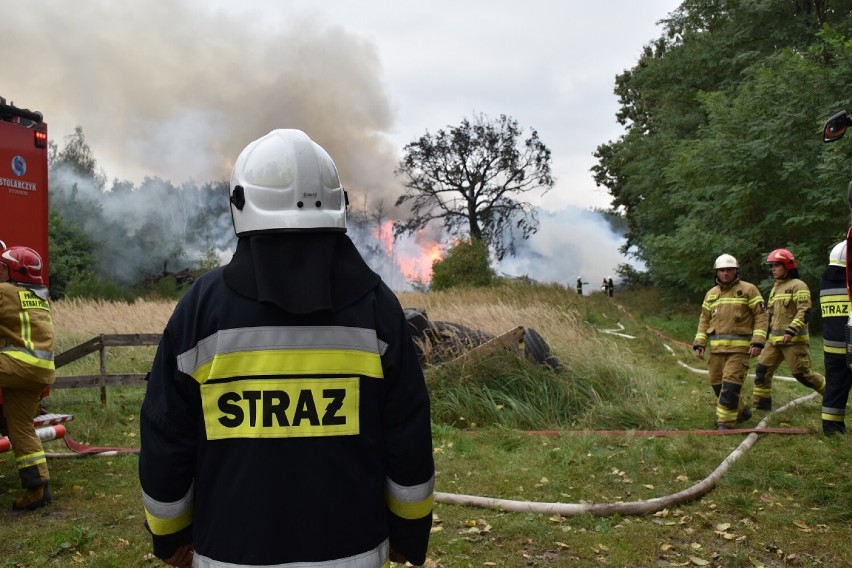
(837, 256)
(284, 181)
(725, 261)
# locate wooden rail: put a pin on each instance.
(103, 379)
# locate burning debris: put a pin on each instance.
(439, 341)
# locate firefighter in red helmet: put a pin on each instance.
(789, 313)
(26, 365)
(733, 325)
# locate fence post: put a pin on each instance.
(103, 372)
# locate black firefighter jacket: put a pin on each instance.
(834, 304)
(288, 423)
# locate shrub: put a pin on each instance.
(466, 266)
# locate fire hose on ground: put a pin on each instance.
(632, 507)
(622, 508)
(50, 427)
(563, 509)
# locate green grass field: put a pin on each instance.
(506, 428)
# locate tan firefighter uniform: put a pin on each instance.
(733, 319)
(26, 366)
(789, 312)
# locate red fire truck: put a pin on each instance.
(23, 180)
(23, 212)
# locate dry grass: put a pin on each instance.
(554, 312)
(78, 320)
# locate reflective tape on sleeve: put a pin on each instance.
(168, 518)
(412, 501)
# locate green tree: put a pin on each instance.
(469, 177)
(722, 150)
(466, 265)
(71, 254)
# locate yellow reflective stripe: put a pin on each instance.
(168, 518)
(161, 527)
(31, 359)
(835, 350)
(729, 342)
(26, 330)
(410, 511)
(760, 333)
(796, 339)
(30, 460)
(272, 338)
(723, 415)
(743, 301)
(290, 362)
(762, 392)
(410, 502)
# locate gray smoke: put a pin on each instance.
(571, 243)
(175, 92)
(166, 91)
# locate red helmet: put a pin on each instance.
(783, 256)
(24, 265)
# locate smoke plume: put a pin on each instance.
(168, 94)
(176, 92)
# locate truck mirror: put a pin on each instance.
(835, 127)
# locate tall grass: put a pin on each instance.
(78, 320)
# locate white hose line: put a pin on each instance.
(705, 371)
(617, 332)
(623, 508)
(751, 375)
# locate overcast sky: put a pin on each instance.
(176, 88)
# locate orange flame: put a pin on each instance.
(419, 268)
(414, 257)
(384, 233)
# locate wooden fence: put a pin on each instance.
(103, 378)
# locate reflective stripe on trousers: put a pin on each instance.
(376, 558)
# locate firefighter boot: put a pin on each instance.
(762, 394)
(35, 497)
(744, 415)
(727, 413)
(833, 428)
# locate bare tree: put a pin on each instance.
(470, 176)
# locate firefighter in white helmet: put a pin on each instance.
(790, 308)
(732, 325)
(836, 309)
(286, 420)
(26, 365)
